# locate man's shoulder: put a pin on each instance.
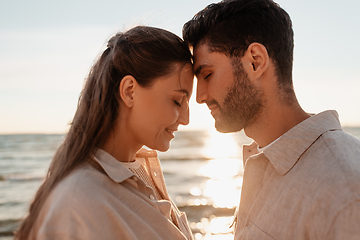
(337, 156)
(342, 145)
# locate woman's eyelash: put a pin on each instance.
(177, 103)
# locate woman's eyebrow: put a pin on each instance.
(184, 91)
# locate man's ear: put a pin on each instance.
(126, 88)
(256, 60)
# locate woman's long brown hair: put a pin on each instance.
(143, 52)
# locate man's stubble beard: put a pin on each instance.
(242, 104)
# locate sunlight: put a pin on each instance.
(217, 228)
(220, 188)
(224, 184)
(224, 194)
(219, 237)
(220, 145)
(221, 168)
(224, 171)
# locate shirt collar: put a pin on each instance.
(285, 152)
(114, 168)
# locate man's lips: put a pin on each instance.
(213, 108)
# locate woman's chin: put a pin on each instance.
(162, 148)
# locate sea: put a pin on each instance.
(203, 172)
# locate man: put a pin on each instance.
(302, 172)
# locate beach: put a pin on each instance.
(203, 172)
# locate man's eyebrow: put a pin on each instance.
(199, 68)
(184, 91)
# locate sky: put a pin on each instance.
(48, 47)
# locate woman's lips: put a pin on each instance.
(171, 131)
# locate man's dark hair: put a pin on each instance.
(230, 26)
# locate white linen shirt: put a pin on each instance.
(110, 202)
(306, 185)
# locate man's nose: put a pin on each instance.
(201, 92)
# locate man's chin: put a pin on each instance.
(227, 127)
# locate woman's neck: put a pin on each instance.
(120, 144)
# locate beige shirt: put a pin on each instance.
(306, 185)
(110, 202)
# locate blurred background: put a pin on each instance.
(48, 47)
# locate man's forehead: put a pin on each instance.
(205, 57)
(201, 49)
(201, 58)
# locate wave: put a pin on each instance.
(194, 212)
(7, 227)
(20, 178)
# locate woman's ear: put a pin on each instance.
(256, 60)
(126, 88)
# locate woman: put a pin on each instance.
(101, 184)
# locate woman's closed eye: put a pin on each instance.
(177, 103)
(180, 102)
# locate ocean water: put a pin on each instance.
(203, 172)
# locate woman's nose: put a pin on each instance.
(184, 114)
(184, 117)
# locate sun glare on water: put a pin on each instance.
(223, 185)
(220, 145)
(222, 189)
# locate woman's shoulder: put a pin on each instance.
(81, 183)
(76, 201)
(83, 189)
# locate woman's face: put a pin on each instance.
(159, 110)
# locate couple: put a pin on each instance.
(302, 172)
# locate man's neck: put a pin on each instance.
(274, 123)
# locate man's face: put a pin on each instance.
(234, 101)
